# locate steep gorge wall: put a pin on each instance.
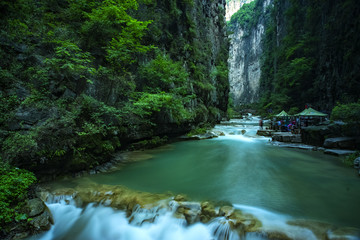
(295, 52)
(245, 55)
(311, 55)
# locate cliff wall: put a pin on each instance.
(84, 79)
(245, 54)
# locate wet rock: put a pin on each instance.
(192, 216)
(21, 235)
(245, 221)
(343, 234)
(207, 135)
(338, 152)
(265, 133)
(319, 229)
(218, 133)
(179, 198)
(191, 211)
(275, 235)
(42, 222)
(207, 212)
(36, 207)
(340, 142)
(226, 211)
(295, 145)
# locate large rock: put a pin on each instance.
(191, 211)
(265, 133)
(340, 142)
(357, 163)
(315, 135)
(226, 211)
(42, 222)
(338, 152)
(207, 212)
(40, 214)
(36, 207)
(207, 135)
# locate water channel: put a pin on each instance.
(245, 170)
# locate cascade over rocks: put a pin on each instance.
(224, 220)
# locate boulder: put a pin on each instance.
(42, 222)
(339, 152)
(265, 133)
(315, 135)
(218, 133)
(36, 206)
(340, 142)
(207, 212)
(191, 211)
(207, 135)
(226, 211)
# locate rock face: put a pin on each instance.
(341, 142)
(233, 6)
(40, 214)
(244, 60)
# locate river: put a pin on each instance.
(273, 183)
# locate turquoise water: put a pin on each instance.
(249, 171)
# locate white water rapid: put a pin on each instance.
(104, 223)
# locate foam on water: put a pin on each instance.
(105, 223)
(277, 222)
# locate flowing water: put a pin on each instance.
(273, 183)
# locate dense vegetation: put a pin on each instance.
(311, 55)
(310, 52)
(247, 16)
(82, 79)
(14, 184)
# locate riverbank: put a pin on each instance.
(240, 168)
(343, 147)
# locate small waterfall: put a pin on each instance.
(101, 222)
(221, 228)
(142, 215)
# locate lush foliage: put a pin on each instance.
(310, 55)
(246, 17)
(14, 185)
(349, 113)
(84, 78)
(349, 160)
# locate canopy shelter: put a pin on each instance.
(282, 114)
(310, 112)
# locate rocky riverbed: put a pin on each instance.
(145, 208)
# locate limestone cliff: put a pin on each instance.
(232, 6)
(244, 58)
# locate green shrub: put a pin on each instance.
(346, 112)
(197, 131)
(349, 160)
(150, 143)
(14, 186)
